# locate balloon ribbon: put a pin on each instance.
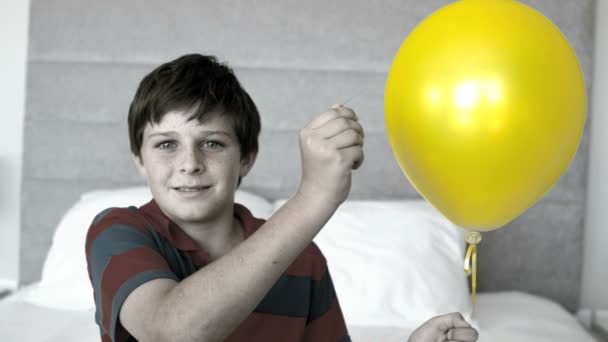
(472, 238)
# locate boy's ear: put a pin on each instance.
(247, 163)
(139, 165)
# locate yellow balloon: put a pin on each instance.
(485, 107)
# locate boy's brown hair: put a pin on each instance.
(194, 81)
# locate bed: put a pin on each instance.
(543, 322)
(296, 59)
(394, 263)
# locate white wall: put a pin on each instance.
(595, 271)
(14, 19)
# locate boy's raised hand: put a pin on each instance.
(331, 147)
(450, 328)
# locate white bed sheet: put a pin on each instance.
(503, 317)
(500, 317)
(23, 321)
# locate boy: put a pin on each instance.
(191, 265)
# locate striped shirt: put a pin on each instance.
(126, 247)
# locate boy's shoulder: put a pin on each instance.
(314, 252)
(124, 217)
(118, 215)
(310, 263)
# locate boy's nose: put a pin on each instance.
(191, 162)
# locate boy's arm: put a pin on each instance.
(211, 303)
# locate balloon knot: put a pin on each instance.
(473, 238)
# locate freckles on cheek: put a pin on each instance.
(159, 168)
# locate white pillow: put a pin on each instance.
(394, 263)
(65, 282)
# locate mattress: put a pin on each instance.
(500, 317)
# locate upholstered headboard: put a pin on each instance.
(296, 58)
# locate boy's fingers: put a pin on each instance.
(346, 139)
(358, 160)
(337, 126)
(334, 112)
(354, 154)
(345, 111)
(453, 320)
(462, 335)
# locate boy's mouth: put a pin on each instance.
(190, 188)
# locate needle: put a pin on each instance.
(347, 101)
(352, 97)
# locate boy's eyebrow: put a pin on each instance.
(173, 133)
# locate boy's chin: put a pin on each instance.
(195, 212)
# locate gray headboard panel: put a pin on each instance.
(296, 58)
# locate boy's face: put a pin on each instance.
(192, 168)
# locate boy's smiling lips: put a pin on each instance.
(191, 193)
(191, 189)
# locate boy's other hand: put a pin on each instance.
(331, 147)
(449, 327)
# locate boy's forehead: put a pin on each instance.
(179, 120)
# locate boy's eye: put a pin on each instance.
(166, 145)
(212, 145)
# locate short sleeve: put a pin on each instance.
(122, 254)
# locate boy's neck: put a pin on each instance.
(216, 238)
